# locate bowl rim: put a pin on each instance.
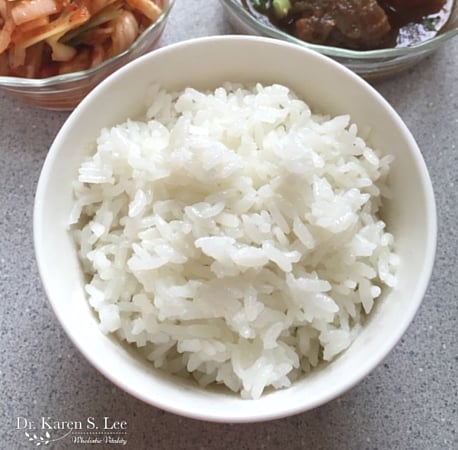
(242, 416)
(236, 8)
(18, 82)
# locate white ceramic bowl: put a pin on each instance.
(328, 87)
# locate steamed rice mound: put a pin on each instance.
(234, 235)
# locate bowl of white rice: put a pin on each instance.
(234, 228)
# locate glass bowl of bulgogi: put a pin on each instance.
(53, 52)
(372, 38)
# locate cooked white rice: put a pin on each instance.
(234, 235)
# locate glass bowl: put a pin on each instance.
(369, 63)
(64, 92)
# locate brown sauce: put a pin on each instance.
(357, 24)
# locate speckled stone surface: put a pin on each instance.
(409, 402)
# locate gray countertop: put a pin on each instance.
(409, 402)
